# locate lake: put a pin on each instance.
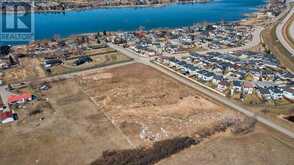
(128, 19)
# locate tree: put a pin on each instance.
(11, 60)
(4, 50)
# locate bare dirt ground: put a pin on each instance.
(149, 106)
(29, 68)
(123, 108)
(73, 131)
(262, 147)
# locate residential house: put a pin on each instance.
(19, 98)
(248, 87)
(237, 86)
(205, 75)
(217, 79)
(276, 93)
(222, 85)
(289, 93)
(208, 76)
(7, 117)
(264, 93)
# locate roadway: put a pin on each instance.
(253, 43)
(291, 30)
(4, 95)
(280, 31)
(215, 96)
(75, 74)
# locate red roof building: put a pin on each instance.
(5, 115)
(19, 98)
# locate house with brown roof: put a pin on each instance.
(248, 87)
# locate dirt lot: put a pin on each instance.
(117, 109)
(72, 130)
(149, 106)
(262, 147)
(29, 68)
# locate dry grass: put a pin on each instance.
(271, 41)
(110, 109)
(149, 106)
(126, 101)
(73, 130)
(29, 68)
(98, 61)
(260, 147)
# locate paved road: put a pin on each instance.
(4, 93)
(291, 30)
(81, 73)
(254, 42)
(280, 31)
(210, 94)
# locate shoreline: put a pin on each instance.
(246, 17)
(77, 9)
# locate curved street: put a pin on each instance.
(280, 32)
(254, 42)
(291, 30)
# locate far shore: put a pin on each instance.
(248, 17)
(111, 7)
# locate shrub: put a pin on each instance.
(245, 126)
(142, 156)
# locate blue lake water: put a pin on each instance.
(127, 19)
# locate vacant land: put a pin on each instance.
(116, 109)
(149, 106)
(98, 61)
(73, 130)
(258, 148)
(30, 68)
